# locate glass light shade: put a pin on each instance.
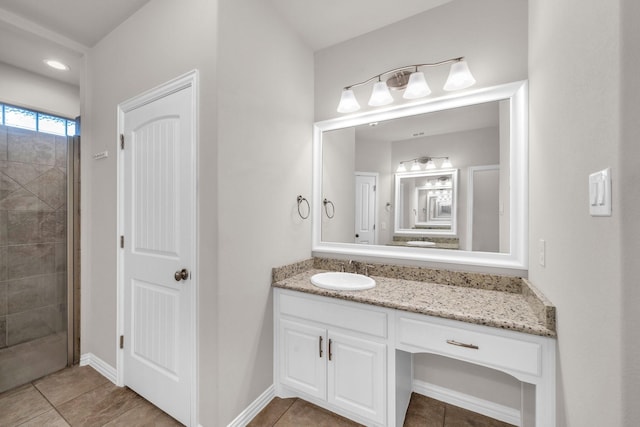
(459, 77)
(401, 168)
(417, 86)
(430, 165)
(348, 102)
(447, 163)
(380, 95)
(415, 167)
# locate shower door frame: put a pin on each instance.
(73, 249)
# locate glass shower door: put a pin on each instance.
(34, 224)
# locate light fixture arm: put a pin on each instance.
(406, 67)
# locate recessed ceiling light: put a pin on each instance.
(56, 64)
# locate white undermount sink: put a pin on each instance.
(420, 243)
(339, 281)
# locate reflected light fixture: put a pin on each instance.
(408, 78)
(427, 161)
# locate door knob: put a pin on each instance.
(357, 235)
(181, 275)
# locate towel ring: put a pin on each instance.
(300, 200)
(326, 202)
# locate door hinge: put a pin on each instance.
(374, 187)
(121, 341)
(374, 226)
(122, 141)
(122, 242)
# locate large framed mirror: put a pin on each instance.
(443, 180)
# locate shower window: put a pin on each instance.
(36, 121)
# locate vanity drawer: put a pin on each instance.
(340, 314)
(473, 346)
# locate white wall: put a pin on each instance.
(25, 89)
(491, 34)
(265, 122)
(575, 129)
(630, 212)
(162, 40)
(338, 185)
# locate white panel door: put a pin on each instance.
(302, 358)
(356, 376)
(365, 209)
(158, 212)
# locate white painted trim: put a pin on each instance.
(190, 79)
(466, 401)
(254, 408)
(106, 370)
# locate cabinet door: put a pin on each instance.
(302, 358)
(357, 376)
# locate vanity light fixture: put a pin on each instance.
(411, 80)
(427, 161)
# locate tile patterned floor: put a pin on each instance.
(422, 412)
(78, 396)
(21, 363)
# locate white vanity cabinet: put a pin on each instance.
(355, 359)
(333, 355)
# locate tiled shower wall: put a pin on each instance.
(32, 235)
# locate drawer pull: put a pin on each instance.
(461, 344)
(320, 346)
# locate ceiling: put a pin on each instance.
(34, 30)
(323, 23)
(437, 123)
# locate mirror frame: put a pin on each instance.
(453, 226)
(517, 258)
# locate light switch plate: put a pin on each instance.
(600, 193)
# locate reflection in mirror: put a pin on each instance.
(359, 170)
(426, 203)
(461, 196)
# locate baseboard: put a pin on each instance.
(254, 408)
(472, 403)
(108, 371)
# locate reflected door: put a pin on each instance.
(365, 223)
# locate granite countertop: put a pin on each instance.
(524, 310)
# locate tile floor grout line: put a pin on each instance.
(134, 407)
(49, 402)
(36, 415)
(280, 417)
